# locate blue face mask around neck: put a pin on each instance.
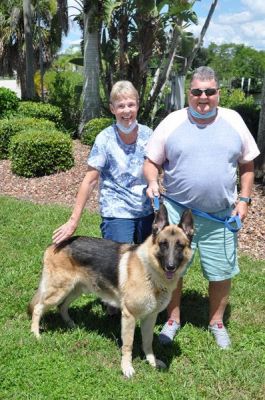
(125, 129)
(196, 114)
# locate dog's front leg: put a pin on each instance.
(147, 329)
(127, 336)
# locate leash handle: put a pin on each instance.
(156, 203)
(233, 223)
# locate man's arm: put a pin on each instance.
(246, 174)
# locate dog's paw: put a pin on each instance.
(70, 323)
(151, 360)
(127, 370)
(154, 362)
(160, 364)
(36, 335)
(36, 332)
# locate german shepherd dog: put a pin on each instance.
(139, 279)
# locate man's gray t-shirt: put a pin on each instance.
(200, 164)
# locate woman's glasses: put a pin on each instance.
(199, 92)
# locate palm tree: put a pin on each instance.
(123, 39)
(148, 35)
(95, 14)
(90, 95)
(54, 22)
(30, 92)
(12, 59)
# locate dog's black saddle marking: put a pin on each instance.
(100, 255)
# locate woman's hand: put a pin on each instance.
(64, 232)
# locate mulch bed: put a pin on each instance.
(62, 188)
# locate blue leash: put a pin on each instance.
(233, 223)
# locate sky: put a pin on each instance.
(233, 21)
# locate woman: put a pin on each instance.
(116, 161)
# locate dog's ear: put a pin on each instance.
(186, 223)
(160, 221)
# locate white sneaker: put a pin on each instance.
(220, 334)
(169, 331)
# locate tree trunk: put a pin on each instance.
(159, 85)
(160, 81)
(30, 92)
(201, 36)
(260, 160)
(90, 95)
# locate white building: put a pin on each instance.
(11, 84)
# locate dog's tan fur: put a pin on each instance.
(143, 288)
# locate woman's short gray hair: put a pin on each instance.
(205, 74)
(122, 88)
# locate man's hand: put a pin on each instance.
(241, 209)
(153, 189)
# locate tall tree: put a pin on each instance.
(260, 160)
(95, 13)
(30, 92)
(148, 34)
(236, 60)
(128, 39)
(90, 94)
(199, 41)
(54, 22)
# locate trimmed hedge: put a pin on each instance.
(93, 127)
(41, 110)
(8, 102)
(12, 126)
(35, 154)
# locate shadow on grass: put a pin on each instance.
(92, 316)
(194, 310)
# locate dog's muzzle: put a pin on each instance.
(170, 271)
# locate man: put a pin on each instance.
(199, 149)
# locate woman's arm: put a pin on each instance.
(66, 230)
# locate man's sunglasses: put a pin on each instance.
(199, 92)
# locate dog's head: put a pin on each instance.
(172, 242)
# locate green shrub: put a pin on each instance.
(64, 91)
(8, 102)
(250, 114)
(41, 110)
(234, 97)
(93, 127)
(244, 105)
(12, 126)
(36, 154)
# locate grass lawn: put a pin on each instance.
(85, 363)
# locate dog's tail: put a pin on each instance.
(34, 301)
